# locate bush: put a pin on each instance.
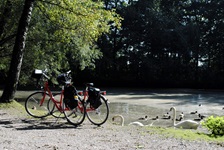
(214, 124)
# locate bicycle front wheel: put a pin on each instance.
(33, 106)
(100, 115)
(77, 115)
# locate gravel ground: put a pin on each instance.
(18, 131)
(24, 133)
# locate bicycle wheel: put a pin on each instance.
(100, 115)
(77, 115)
(53, 109)
(33, 107)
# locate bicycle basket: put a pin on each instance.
(37, 74)
(69, 100)
(94, 97)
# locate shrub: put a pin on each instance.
(214, 124)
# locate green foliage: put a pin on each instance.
(63, 35)
(215, 124)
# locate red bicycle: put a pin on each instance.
(44, 103)
(69, 103)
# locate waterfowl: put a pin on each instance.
(185, 124)
(166, 115)
(194, 112)
(181, 115)
(157, 117)
(121, 119)
(202, 116)
(179, 119)
(136, 123)
(143, 118)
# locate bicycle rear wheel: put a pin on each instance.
(53, 109)
(100, 115)
(77, 115)
(33, 107)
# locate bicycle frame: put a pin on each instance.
(47, 90)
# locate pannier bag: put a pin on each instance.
(69, 97)
(94, 97)
(61, 79)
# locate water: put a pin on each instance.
(136, 103)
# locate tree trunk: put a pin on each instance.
(18, 51)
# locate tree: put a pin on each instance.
(18, 51)
(61, 30)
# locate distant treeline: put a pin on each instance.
(160, 43)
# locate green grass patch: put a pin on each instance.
(12, 104)
(186, 134)
(13, 108)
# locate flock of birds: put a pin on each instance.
(183, 124)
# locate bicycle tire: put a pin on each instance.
(53, 109)
(77, 115)
(32, 105)
(100, 115)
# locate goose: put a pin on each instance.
(185, 124)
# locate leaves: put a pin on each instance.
(215, 124)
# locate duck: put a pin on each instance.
(202, 116)
(194, 112)
(143, 118)
(181, 115)
(166, 115)
(179, 119)
(157, 117)
(185, 124)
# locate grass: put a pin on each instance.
(13, 108)
(191, 135)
